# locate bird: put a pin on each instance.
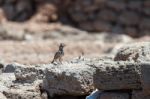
(59, 54)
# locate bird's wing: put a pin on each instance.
(57, 55)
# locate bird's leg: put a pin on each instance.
(53, 61)
(60, 60)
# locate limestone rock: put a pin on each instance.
(6, 80)
(29, 74)
(21, 94)
(136, 52)
(2, 96)
(45, 13)
(117, 75)
(69, 79)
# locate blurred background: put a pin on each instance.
(31, 30)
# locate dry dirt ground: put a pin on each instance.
(31, 43)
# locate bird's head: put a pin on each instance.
(62, 45)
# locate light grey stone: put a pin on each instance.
(29, 74)
(69, 79)
(6, 80)
(117, 75)
(21, 94)
(136, 52)
(2, 96)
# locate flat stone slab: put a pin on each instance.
(21, 94)
(117, 75)
(30, 73)
(136, 52)
(69, 79)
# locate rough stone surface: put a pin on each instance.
(126, 78)
(117, 75)
(29, 74)
(6, 80)
(136, 52)
(69, 79)
(114, 95)
(2, 96)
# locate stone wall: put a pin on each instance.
(120, 16)
(76, 79)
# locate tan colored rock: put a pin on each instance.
(112, 75)
(69, 79)
(136, 52)
(21, 94)
(29, 74)
(2, 16)
(45, 13)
